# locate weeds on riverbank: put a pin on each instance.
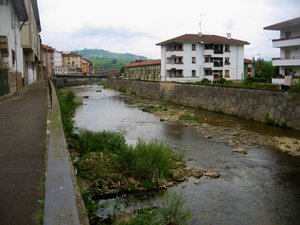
(103, 83)
(171, 212)
(105, 157)
(188, 117)
(67, 107)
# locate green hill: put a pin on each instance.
(106, 60)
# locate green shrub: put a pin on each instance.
(122, 89)
(295, 87)
(89, 203)
(172, 210)
(222, 81)
(96, 166)
(150, 160)
(67, 107)
(144, 217)
(102, 83)
(90, 141)
(203, 81)
(188, 117)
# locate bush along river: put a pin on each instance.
(257, 179)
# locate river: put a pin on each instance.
(261, 187)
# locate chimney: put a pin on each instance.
(228, 35)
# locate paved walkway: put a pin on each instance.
(22, 154)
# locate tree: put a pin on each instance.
(264, 70)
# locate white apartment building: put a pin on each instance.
(13, 15)
(31, 42)
(192, 57)
(289, 45)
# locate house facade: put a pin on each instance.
(289, 45)
(12, 16)
(31, 43)
(72, 63)
(249, 68)
(86, 66)
(143, 70)
(47, 60)
(192, 57)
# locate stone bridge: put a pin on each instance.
(74, 80)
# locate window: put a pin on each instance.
(227, 48)
(12, 20)
(227, 74)
(1, 2)
(193, 59)
(193, 73)
(13, 56)
(227, 62)
(288, 34)
(207, 72)
(193, 47)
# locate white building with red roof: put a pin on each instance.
(193, 57)
(289, 45)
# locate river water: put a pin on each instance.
(262, 187)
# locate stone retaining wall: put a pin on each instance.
(68, 80)
(276, 107)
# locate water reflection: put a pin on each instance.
(261, 187)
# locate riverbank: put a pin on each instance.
(237, 137)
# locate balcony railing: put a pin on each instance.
(286, 42)
(292, 61)
(216, 64)
(218, 51)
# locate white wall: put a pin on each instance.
(10, 27)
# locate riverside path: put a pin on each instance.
(22, 154)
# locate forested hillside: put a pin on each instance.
(107, 60)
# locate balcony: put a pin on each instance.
(286, 42)
(208, 52)
(177, 66)
(218, 51)
(294, 61)
(170, 54)
(208, 65)
(218, 64)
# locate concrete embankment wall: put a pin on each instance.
(281, 108)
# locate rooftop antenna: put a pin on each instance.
(200, 31)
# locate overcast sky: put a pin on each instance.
(135, 26)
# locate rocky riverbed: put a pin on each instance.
(236, 136)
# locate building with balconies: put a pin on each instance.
(13, 15)
(289, 45)
(31, 43)
(192, 57)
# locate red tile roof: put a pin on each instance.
(47, 47)
(204, 38)
(287, 23)
(144, 63)
(70, 55)
(248, 61)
